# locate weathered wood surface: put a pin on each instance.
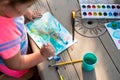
(108, 66)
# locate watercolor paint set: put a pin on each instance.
(107, 11)
(114, 31)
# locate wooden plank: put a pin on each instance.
(62, 11)
(109, 45)
(104, 69)
(113, 52)
(40, 5)
(68, 71)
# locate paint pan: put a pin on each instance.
(107, 11)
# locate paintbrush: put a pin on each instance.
(73, 14)
(60, 76)
(43, 41)
(64, 63)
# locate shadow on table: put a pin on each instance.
(89, 75)
(117, 1)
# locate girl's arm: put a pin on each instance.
(20, 62)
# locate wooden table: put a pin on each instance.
(108, 66)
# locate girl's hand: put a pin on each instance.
(47, 51)
(30, 15)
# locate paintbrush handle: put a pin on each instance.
(73, 14)
(64, 63)
(43, 41)
(61, 78)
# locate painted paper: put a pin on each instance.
(49, 29)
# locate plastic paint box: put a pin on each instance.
(100, 11)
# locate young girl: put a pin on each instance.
(14, 62)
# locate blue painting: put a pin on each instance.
(49, 29)
(114, 30)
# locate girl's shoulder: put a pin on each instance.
(8, 30)
(9, 38)
(6, 23)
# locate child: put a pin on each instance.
(14, 62)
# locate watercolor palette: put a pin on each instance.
(114, 30)
(100, 11)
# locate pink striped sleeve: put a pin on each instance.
(9, 39)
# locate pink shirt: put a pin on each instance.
(12, 39)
